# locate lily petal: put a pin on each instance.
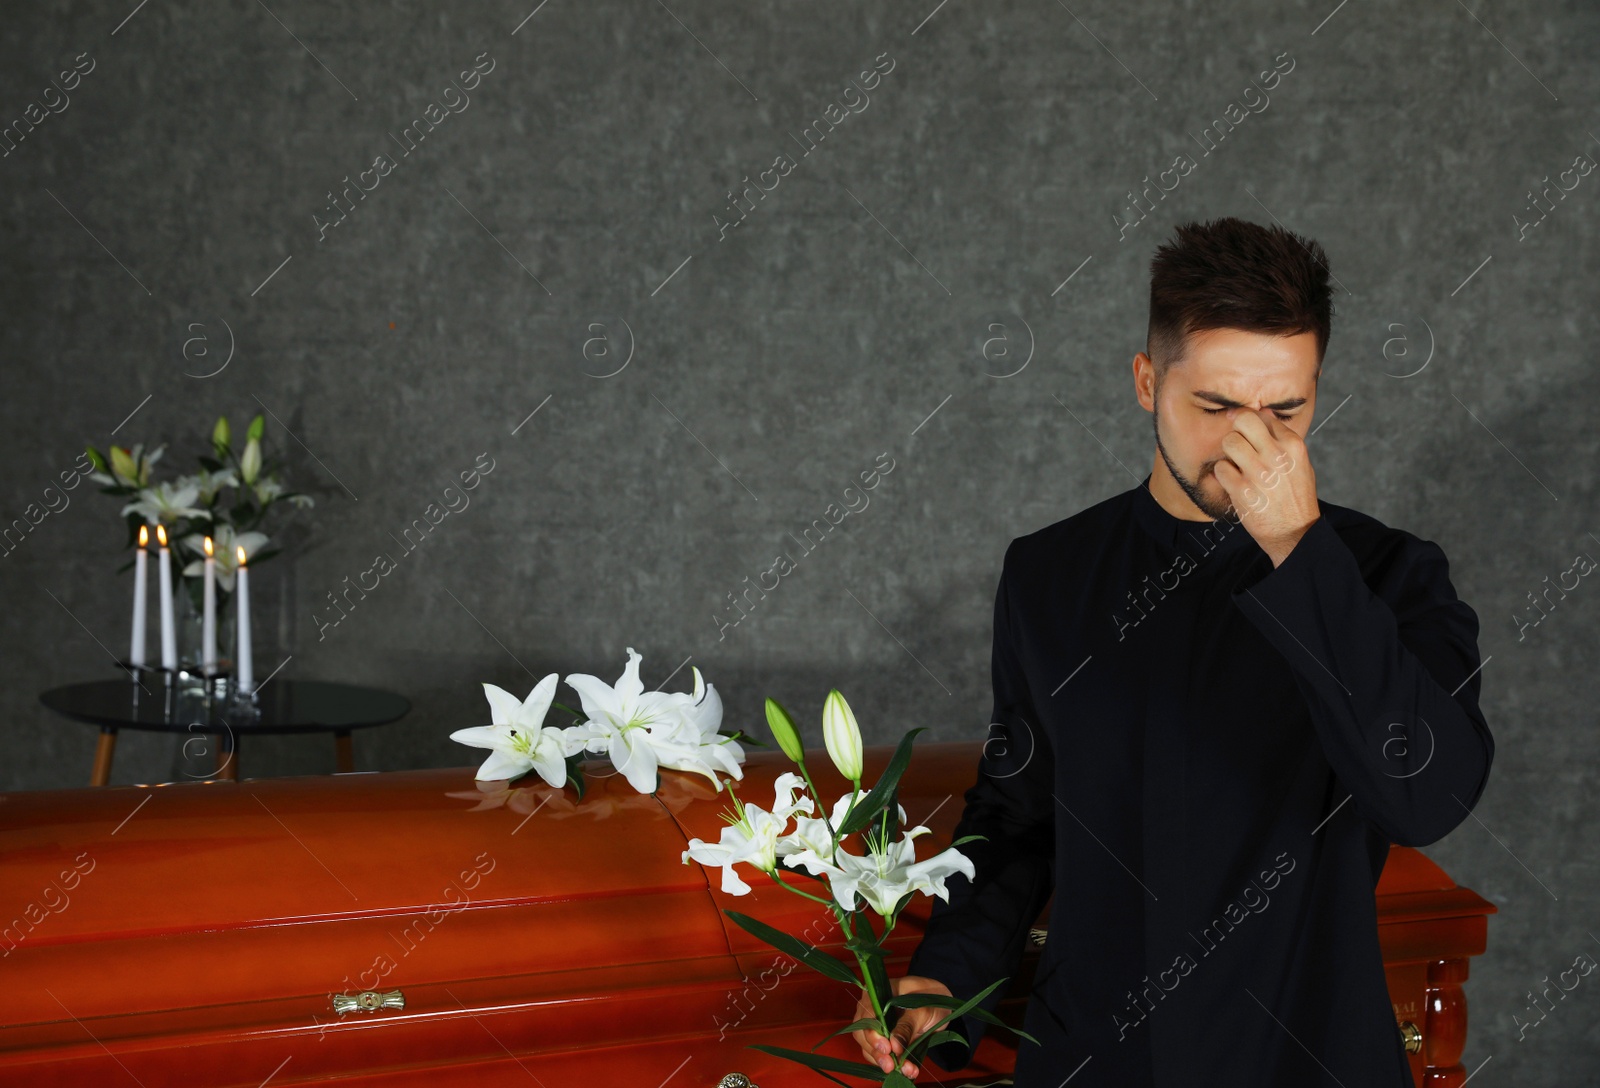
(504, 764)
(503, 706)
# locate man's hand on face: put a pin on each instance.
(1268, 475)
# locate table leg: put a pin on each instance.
(344, 751)
(101, 775)
(227, 757)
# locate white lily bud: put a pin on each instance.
(842, 736)
(250, 461)
(124, 467)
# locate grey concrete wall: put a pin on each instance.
(575, 194)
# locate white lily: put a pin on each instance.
(626, 722)
(883, 879)
(210, 482)
(688, 740)
(269, 489)
(753, 837)
(811, 844)
(166, 503)
(519, 740)
(225, 542)
(880, 878)
(129, 468)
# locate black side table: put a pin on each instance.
(286, 706)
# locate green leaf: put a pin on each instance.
(880, 794)
(95, 459)
(968, 1005)
(917, 1001)
(920, 1045)
(819, 1062)
(973, 1001)
(865, 943)
(866, 1022)
(794, 947)
(879, 976)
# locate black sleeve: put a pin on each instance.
(1390, 678)
(979, 936)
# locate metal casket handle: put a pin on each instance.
(1412, 1036)
(369, 1001)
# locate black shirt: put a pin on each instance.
(1206, 758)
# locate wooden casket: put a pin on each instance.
(416, 928)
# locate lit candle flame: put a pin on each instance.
(161, 535)
(241, 554)
(144, 535)
(208, 547)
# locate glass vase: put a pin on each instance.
(189, 614)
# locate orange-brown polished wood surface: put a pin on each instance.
(197, 934)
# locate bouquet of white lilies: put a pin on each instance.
(229, 500)
(638, 730)
(642, 731)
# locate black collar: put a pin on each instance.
(1196, 538)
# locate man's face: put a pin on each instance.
(1224, 372)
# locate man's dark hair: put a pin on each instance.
(1233, 274)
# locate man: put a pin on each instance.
(1217, 701)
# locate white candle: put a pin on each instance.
(140, 579)
(241, 604)
(169, 629)
(208, 624)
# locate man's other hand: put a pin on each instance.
(912, 1023)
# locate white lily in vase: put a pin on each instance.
(519, 741)
(225, 542)
(167, 503)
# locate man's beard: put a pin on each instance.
(1224, 512)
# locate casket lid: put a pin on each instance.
(122, 882)
(212, 855)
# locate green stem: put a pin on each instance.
(822, 811)
(872, 992)
(797, 891)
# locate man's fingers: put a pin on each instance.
(874, 1047)
(911, 1024)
